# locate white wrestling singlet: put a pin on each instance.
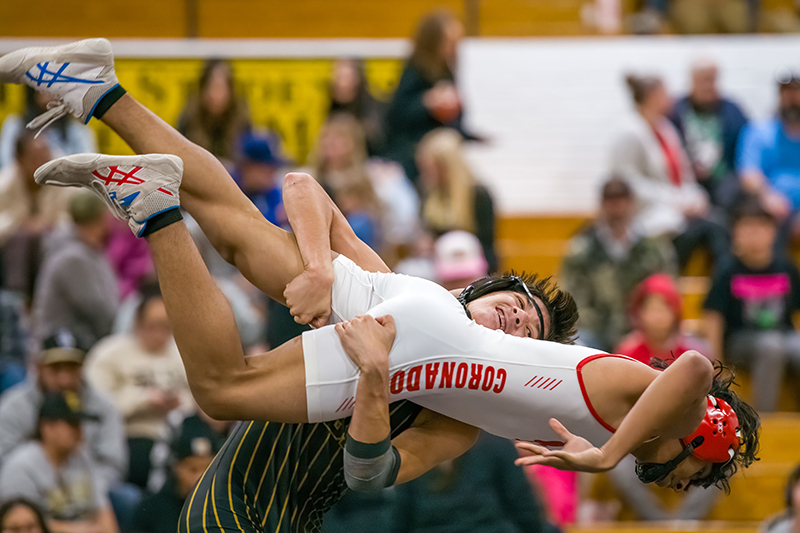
(444, 361)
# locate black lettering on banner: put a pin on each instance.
(488, 378)
(412, 384)
(501, 375)
(475, 376)
(431, 371)
(461, 375)
(396, 385)
(448, 369)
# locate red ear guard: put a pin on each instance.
(720, 432)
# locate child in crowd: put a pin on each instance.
(748, 311)
(655, 311)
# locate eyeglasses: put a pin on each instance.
(518, 283)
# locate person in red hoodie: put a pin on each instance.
(656, 311)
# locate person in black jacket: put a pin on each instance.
(426, 97)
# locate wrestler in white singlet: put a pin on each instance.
(442, 360)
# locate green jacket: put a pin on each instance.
(602, 284)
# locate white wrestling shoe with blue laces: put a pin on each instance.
(77, 75)
(136, 188)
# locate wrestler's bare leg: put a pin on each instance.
(265, 254)
(225, 384)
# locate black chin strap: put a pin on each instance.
(655, 472)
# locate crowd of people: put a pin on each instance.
(99, 429)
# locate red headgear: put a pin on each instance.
(720, 432)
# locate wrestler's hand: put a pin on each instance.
(368, 341)
(577, 454)
(308, 296)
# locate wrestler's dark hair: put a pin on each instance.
(749, 426)
(559, 304)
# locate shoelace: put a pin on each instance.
(55, 110)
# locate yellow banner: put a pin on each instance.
(290, 97)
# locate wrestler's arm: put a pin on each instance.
(432, 439)
(320, 228)
(670, 406)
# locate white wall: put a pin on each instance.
(552, 106)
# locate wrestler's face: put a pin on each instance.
(689, 470)
(510, 312)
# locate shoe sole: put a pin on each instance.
(16, 63)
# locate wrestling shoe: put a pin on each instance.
(136, 188)
(77, 75)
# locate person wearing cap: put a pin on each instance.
(192, 451)
(55, 471)
(709, 126)
(59, 369)
(606, 261)
(257, 176)
(655, 310)
(143, 375)
(749, 310)
(77, 288)
(459, 260)
(768, 159)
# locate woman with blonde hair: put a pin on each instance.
(372, 193)
(452, 197)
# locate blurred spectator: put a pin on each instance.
(709, 126)
(55, 472)
(459, 260)
(650, 157)
(143, 375)
(418, 259)
(65, 136)
(426, 97)
(452, 197)
(374, 194)
(28, 212)
(710, 16)
(769, 153)
(129, 257)
(349, 91)
(480, 491)
(14, 337)
(656, 312)
(59, 369)
(257, 175)
(192, 452)
(77, 288)
(604, 264)
(20, 515)
(748, 311)
(216, 118)
(789, 520)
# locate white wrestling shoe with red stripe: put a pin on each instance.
(77, 75)
(136, 188)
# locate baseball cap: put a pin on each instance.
(61, 347)
(196, 439)
(459, 255)
(57, 406)
(257, 148)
